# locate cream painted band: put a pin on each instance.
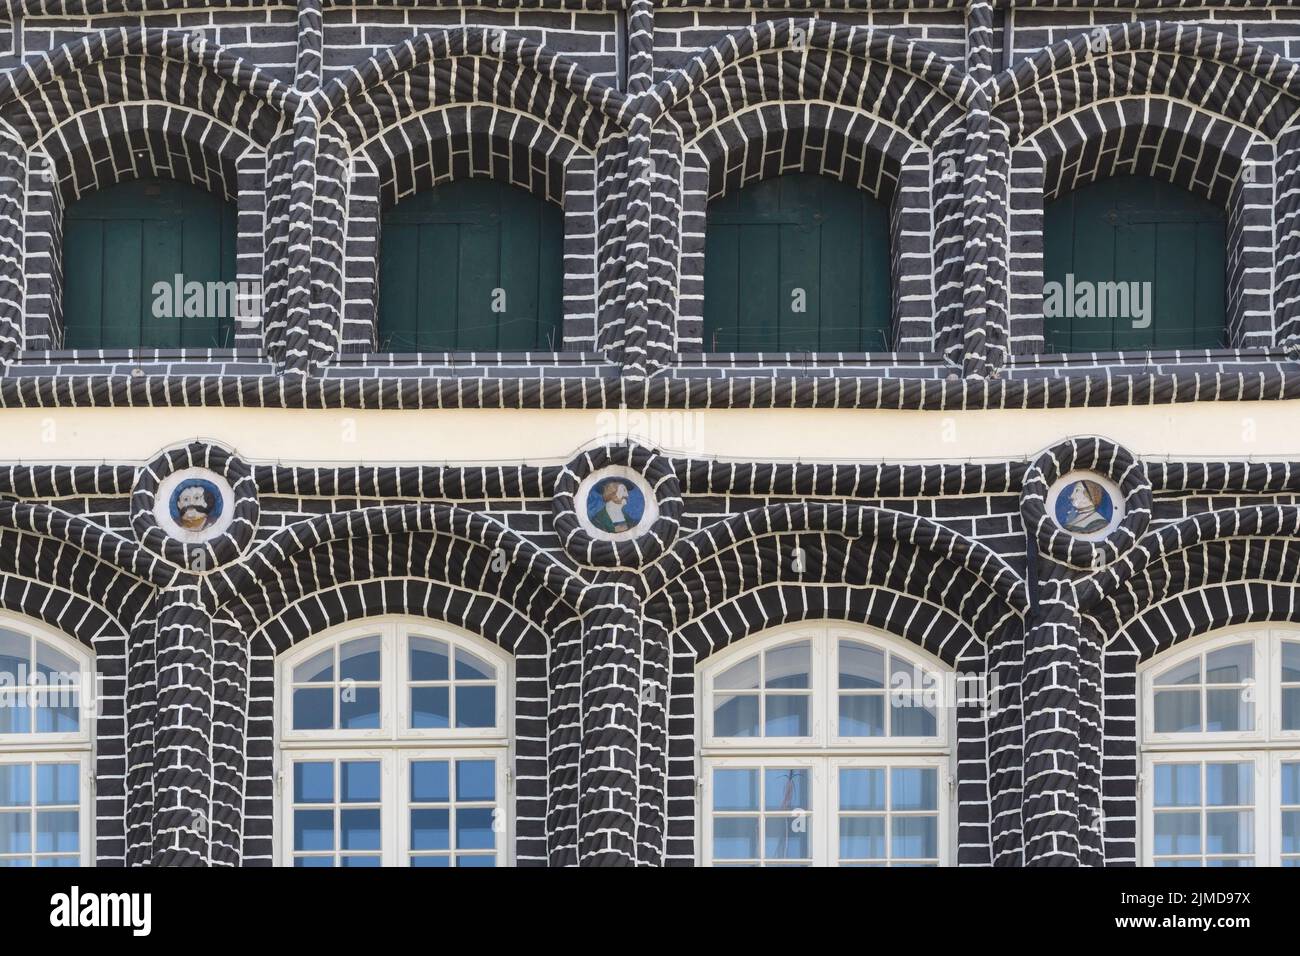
(1223, 430)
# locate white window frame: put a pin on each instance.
(76, 747)
(824, 752)
(1266, 745)
(392, 743)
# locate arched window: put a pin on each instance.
(797, 263)
(1221, 751)
(471, 265)
(149, 264)
(1133, 262)
(394, 748)
(47, 697)
(823, 745)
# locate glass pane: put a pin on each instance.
(735, 790)
(352, 861)
(862, 838)
(360, 829)
(1178, 833)
(1228, 710)
(313, 829)
(913, 721)
(1291, 708)
(787, 838)
(57, 710)
(1188, 672)
(56, 784)
(313, 783)
(358, 707)
(476, 706)
(786, 790)
(789, 666)
(53, 664)
(1291, 831)
(428, 659)
(315, 862)
(472, 667)
(1178, 711)
(359, 781)
(475, 861)
(787, 715)
(862, 788)
(430, 781)
(475, 780)
(915, 838)
(735, 838)
(431, 706)
(742, 676)
(15, 656)
(15, 832)
(1229, 831)
(1229, 784)
(313, 708)
(862, 715)
(861, 666)
(15, 785)
(430, 861)
(1290, 785)
(359, 659)
(1178, 785)
(474, 828)
(15, 710)
(1290, 662)
(1230, 665)
(431, 829)
(736, 716)
(318, 669)
(914, 788)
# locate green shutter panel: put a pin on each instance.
(797, 263)
(471, 265)
(1134, 229)
(119, 242)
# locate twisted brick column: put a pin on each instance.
(1050, 691)
(608, 773)
(182, 734)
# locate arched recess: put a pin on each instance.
(138, 104)
(1186, 105)
(895, 579)
(1201, 574)
(378, 565)
(451, 105)
(47, 582)
(818, 97)
(487, 616)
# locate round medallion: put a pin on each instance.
(1086, 505)
(194, 505)
(615, 504)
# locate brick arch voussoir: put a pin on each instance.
(470, 141)
(1147, 136)
(821, 39)
(502, 53)
(910, 619)
(121, 142)
(1252, 85)
(1190, 614)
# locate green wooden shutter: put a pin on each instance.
(768, 241)
(1137, 229)
(120, 241)
(471, 265)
